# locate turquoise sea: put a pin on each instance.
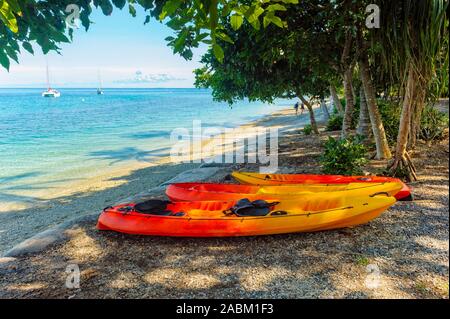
(49, 141)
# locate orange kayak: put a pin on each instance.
(213, 218)
(281, 179)
(228, 192)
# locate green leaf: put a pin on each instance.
(201, 36)
(236, 21)
(266, 22)
(59, 36)
(7, 16)
(224, 37)
(14, 5)
(218, 52)
(4, 60)
(169, 8)
(12, 54)
(27, 46)
(180, 41)
(271, 18)
(276, 7)
(119, 3)
(106, 7)
(253, 16)
(132, 10)
(255, 23)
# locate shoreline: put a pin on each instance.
(113, 185)
(408, 243)
(105, 176)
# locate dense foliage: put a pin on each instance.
(390, 113)
(265, 49)
(343, 156)
(433, 125)
(307, 129)
(334, 123)
(43, 22)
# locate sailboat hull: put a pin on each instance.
(51, 94)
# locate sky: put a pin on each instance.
(121, 48)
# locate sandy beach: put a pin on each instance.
(111, 185)
(402, 254)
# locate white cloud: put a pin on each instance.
(149, 78)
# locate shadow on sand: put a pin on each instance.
(324, 264)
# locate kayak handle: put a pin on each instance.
(380, 193)
(278, 213)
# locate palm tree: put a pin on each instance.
(411, 36)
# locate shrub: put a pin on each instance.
(433, 124)
(343, 156)
(307, 129)
(334, 123)
(337, 125)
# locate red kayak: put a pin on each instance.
(283, 179)
(298, 192)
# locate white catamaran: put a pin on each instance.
(50, 92)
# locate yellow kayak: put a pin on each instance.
(228, 192)
(311, 179)
(218, 219)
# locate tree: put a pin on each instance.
(382, 145)
(43, 23)
(412, 50)
(335, 98)
(280, 62)
(347, 66)
(324, 108)
(363, 127)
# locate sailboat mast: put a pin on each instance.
(99, 81)
(48, 77)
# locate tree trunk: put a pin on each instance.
(402, 162)
(324, 108)
(349, 102)
(354, 94)
(383, 151)
(419, 100)
(312, 118)
(363, 128)
(335, 98)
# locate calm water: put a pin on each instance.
(44, 141)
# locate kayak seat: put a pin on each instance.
(245, 207)
(153, 207)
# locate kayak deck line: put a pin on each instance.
(233, 218)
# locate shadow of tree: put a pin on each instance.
(408, 243)
(129, 153)
(16, 225)
(147, 134)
